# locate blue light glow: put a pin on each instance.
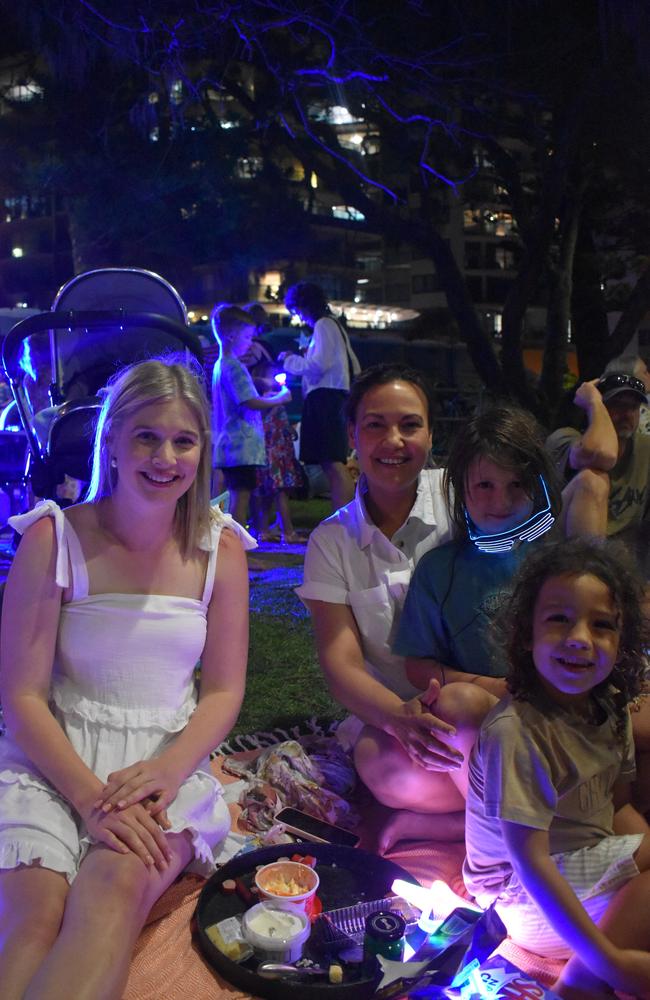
(25, 361)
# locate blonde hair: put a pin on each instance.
(227, 321)
(158, 380)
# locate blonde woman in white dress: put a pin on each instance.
(105, 790)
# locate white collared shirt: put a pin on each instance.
(349, 561)
(325, 364)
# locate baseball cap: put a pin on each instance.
(615, 383)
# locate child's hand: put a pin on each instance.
(131, 829)
(146, 779)
(421, 733)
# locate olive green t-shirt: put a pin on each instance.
(629, 500)
(545, 770)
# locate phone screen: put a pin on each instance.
(314, 829)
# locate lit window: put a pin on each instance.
(249, 166)
(339, 115)
(26, 90)
(351, 140)
(335, 114)
(269, 283)
(347, 212)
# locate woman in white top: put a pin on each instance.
(327, 369)
(105, 789)
(357, 571)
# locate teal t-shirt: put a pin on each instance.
(453, 595)
(237, 433)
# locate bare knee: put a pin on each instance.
(121, 881)
(397, 781)
(384, 767)
(464, 705)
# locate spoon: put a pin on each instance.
(277, 970)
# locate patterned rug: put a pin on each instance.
(261, 740)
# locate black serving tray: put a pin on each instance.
(347, 875)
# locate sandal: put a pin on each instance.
(268, 536)
(293, 538)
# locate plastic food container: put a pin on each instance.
(276, 935)
(279, 880)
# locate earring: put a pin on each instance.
(113, 463)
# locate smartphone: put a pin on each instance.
(316, 830)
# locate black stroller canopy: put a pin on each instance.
(56, 362)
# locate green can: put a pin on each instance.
(385, 935)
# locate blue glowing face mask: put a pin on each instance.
(537, 524)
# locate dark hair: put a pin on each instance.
(258, 315)
(512, 628)
(381, 375)
(510, 437)
(307, 298)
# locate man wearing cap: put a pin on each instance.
(612, 444)
(634, 364)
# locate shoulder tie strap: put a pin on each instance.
(211, 544)
(47, 508)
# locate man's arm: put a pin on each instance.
(597, 447)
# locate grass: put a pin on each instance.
(285, 683)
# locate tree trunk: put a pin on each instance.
(590, 332)
(635, 309)
(558, 314)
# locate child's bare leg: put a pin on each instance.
(257, 513)
(340, 483)
(239, 505)
(577, 980)
(105, 910)
(32, 900)
(284, 513)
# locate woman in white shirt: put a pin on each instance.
(357, 570)
(327, 368)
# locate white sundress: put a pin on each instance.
(123, 686)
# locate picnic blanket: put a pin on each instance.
(168, 964)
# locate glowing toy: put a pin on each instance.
(537, 524)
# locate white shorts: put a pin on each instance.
(38, 827)
(594, 873)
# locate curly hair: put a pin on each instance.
(510, 437)
(307, 298)
(512, 629)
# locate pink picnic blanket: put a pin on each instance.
(168, 964)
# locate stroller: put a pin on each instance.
(57, 362)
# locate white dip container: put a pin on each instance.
(275, 935)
